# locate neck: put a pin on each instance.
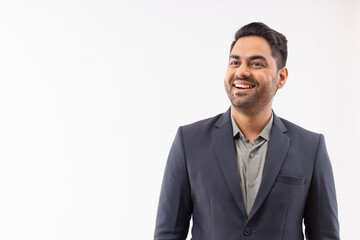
(251, 125)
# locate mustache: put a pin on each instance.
(246, 79)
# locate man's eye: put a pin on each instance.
(234, 63)
(257, 64)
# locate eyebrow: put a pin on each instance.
(258, 57)
(251, 57)
(235, 56)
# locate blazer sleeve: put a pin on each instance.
(321, 217)
(175, 205)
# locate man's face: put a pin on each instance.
(252, 77)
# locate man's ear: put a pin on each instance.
(282, 76)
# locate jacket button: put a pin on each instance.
(247, 231)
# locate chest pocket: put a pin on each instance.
(291, 180)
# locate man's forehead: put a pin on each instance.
(252, 45)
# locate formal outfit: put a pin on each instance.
(234, 190)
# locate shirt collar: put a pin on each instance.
(265, 133)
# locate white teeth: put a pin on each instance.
(243, 86)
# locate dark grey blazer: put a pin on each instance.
(201, 180)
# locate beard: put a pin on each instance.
(255, 101)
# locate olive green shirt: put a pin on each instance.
(251, 161)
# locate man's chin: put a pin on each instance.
(242, 104)
(240, 94)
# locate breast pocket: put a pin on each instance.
(290, 180)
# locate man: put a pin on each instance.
(248, 174)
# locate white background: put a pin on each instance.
(92, 93)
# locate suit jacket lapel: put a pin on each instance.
(278, 147)
(225, 150)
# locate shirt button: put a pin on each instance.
(240, 136)
(252, 155)
(251, 185)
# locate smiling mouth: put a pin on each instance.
(243, 86)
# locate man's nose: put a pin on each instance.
(243, 71)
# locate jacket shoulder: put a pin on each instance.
(300, 134)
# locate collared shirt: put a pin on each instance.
(251, 161)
